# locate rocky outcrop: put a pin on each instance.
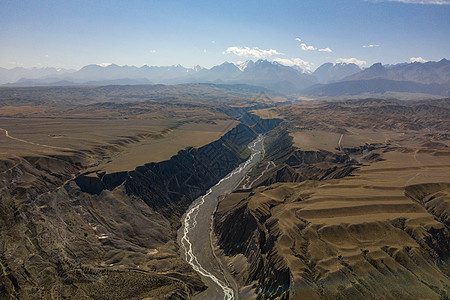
(90, 184)
(170, 186)
(59, 242)
(242, 231)
(435, 198)
(111, 181)
(297, 165)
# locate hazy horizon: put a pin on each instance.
(74, 34)
(104, 65)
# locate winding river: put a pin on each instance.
(194, 236)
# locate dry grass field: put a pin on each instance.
(165, 146)
(126, 141)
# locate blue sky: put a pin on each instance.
(72, 34)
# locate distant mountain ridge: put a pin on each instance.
(271, 75)
(15, 74)
(376, 86)
(430, 78)
(427, 73)
(330, 72)
(328, 80)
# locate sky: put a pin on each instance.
(72, 34)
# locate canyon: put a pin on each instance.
(346, 199)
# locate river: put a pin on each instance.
(194, 235)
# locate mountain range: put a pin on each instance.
(328, 80)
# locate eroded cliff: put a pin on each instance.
(65, 234)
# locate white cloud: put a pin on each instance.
(352, 60)
(307, 66)
(418, 59)
(251, 52)
(307, 48)
(152, 51)
(370, 46)
(437, 2)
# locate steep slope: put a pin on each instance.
(60, 242)
(367, 218)
(170, 186)
(312, 241)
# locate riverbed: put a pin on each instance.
(194, 235)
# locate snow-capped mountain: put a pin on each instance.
(329, 72)
(264, 73)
